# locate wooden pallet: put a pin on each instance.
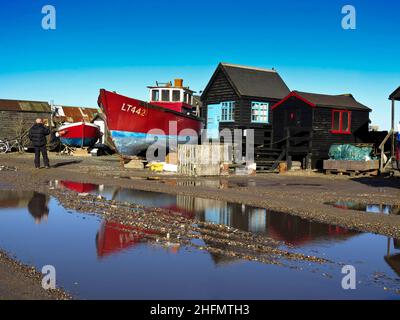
(352, 173)
(352, 168)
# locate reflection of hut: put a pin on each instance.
(393, 260)
(297, 231)
(14, 199)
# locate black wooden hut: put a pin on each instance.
(307, 124)
(240, 97)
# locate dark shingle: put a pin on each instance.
(342, 101)
(256, 82)
(395, 95)
(23, 105)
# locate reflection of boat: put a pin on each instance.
(114, 237)
(79, 134)
(130, 121)
(79, 186)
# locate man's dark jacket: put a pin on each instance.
(37, 134)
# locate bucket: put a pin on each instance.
(282, 167)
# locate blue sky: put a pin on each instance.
(125, 45)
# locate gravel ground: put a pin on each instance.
(21, 282)
(301, 194)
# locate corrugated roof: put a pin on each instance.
(76, 114)
(342, 101)
(395, 95)
(24, 105)
(256, 82)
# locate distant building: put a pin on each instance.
(17, 116)
(74, 114)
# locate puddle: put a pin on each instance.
(232, 183)
(371, 208)
(96, 259)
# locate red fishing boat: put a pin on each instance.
(79, 134)
(169, 116)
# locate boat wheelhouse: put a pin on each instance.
(173, 96)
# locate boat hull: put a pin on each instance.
(135, 125)
(79, 134)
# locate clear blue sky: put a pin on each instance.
(125, 45)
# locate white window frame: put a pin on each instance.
(258, 106)
(227, 111)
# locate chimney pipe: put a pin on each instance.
(178, 83)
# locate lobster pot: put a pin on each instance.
(203, 160)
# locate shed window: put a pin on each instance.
(155, 95)
(259, 112)
(176, 95)
(341, 121)
(227, 111)
(165, 95)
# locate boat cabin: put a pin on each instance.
(174, 97)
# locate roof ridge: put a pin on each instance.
(247, 67)
(327, 94)
(19, 100)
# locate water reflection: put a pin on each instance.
(114, 237)
(38, 207)
(35, 202)
(393, 259)
(280, 226)
(118, 261)
(14, 199)
(371, 208)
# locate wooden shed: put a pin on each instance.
(240, 97)
(17, 116)
(307, 124)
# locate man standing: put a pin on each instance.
(37, 134)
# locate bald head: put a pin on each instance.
(39, 121)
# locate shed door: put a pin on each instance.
(213, 119)
(293, 118)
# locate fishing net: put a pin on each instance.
(350, 152)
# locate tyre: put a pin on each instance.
(3, 148)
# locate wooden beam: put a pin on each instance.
(393, 129)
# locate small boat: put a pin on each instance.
(134, 125)
(79, 134)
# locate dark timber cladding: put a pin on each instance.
(17, 116)
(324, 119)
(252, 91)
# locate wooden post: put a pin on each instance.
(393, 130)
(288, 156)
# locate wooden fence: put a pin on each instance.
(203, 160)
